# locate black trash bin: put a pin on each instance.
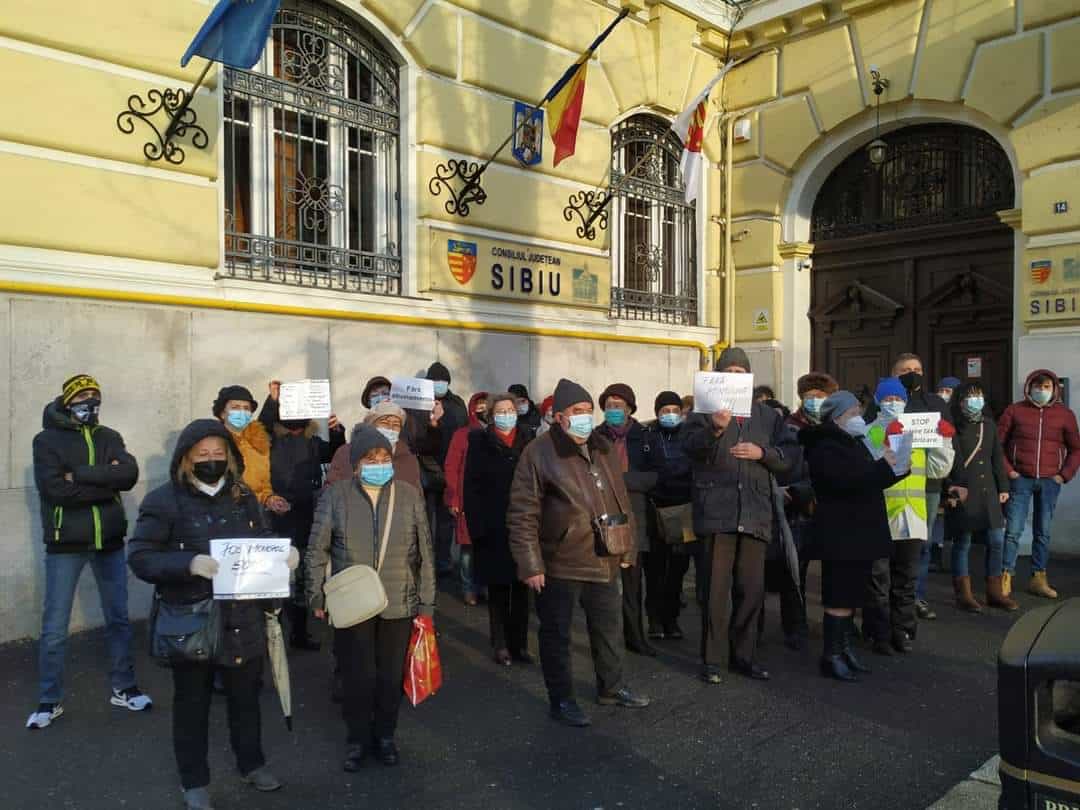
(1039, 664)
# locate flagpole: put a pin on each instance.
(174, 121)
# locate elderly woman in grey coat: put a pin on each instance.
(349, 524)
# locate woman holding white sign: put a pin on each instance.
(375, 522)
(205, 499)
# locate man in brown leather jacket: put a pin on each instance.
(564, 480)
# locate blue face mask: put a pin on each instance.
(391, 436)
(670, 420)
(616, 417)
(505, 421)
(375, 399)
(893, 410)
(812, 406)
(581, 425)
(441, 387)
(376, 475)
(973, 405)
(239, 419)
(1040, 396)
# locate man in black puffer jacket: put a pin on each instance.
(80, 469)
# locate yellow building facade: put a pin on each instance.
(316, 231)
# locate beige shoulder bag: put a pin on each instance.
(356, 594)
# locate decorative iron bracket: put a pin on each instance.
(590, 207)
(461, 180)
(182, 120)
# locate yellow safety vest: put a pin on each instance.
(911, 492)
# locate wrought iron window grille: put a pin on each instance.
(312, 158)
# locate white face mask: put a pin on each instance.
(856, 426)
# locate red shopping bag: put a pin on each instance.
(423, 670)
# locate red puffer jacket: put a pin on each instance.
(1040, 442)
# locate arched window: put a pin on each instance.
(933, 174)
(654, 238)
(312, 157)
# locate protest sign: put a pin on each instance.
(718, 391)
(305, 399)
(901, 444)
(924, 428)
(251, 568)
(413, 393)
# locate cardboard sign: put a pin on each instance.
(305, 399)
(924, 429)
(251, 568)
(716, 391)
(413, 393)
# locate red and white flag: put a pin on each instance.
(690, 127)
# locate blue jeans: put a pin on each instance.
(61, 577)
(465, 565)
(1021, 490)
(933, 501)
(995, 544)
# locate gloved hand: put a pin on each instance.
(294, 558)
(203, 565)
(946, 429)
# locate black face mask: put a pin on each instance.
(86, 412)
(295, 424)
(912, 381)
(210, 472)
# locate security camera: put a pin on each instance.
(805, 264)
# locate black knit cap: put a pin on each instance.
(623, 392)
(567, 394)
(229, 393)
(665, 398)
(437, 371)
(732, 356)
(372, 384)
(519, 390)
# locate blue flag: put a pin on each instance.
(234, 33)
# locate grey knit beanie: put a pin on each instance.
(364, 439)
(835, 405)
(567, 394)
(732, 356)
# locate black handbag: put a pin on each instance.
(185, 633)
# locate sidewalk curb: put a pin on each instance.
(980, 791)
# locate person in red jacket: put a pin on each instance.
(1042, 452)
(454, 494)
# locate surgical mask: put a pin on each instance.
(855, 426)
(945, 394)
(1040, 396)
(441, 387)
(616, 417)
(239, 419)
(86, 412)
(376, 475)
(812, 406)
(892, 410)
(973, 405)
(581, 425)
(506, 421)
(375, 399)
(210, 472)
(912, 381)
(670, 420)
(523, 409)
(391, 436)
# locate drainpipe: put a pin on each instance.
(729, 262)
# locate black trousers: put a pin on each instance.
(508, 615)
(602, 604)
(633, 618)
(844, 582)
(442, 531)
(735, 596)
(371, 656)
(665, 570)
(890, 592)
(193, 686)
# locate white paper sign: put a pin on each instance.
(414, 393)
(901, 445)
(924, 428)
(305, 399)
(251, 568)
(717, 391)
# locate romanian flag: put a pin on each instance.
(565, 97)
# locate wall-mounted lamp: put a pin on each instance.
(877, 149)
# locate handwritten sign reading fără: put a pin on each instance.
(413, 393)
(718, 391)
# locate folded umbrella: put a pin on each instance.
(279, 663)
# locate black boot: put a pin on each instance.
(848, 630)
(833, 663)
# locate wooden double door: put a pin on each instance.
(943, 292)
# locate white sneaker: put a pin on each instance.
(131, 698)
(45, 714)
